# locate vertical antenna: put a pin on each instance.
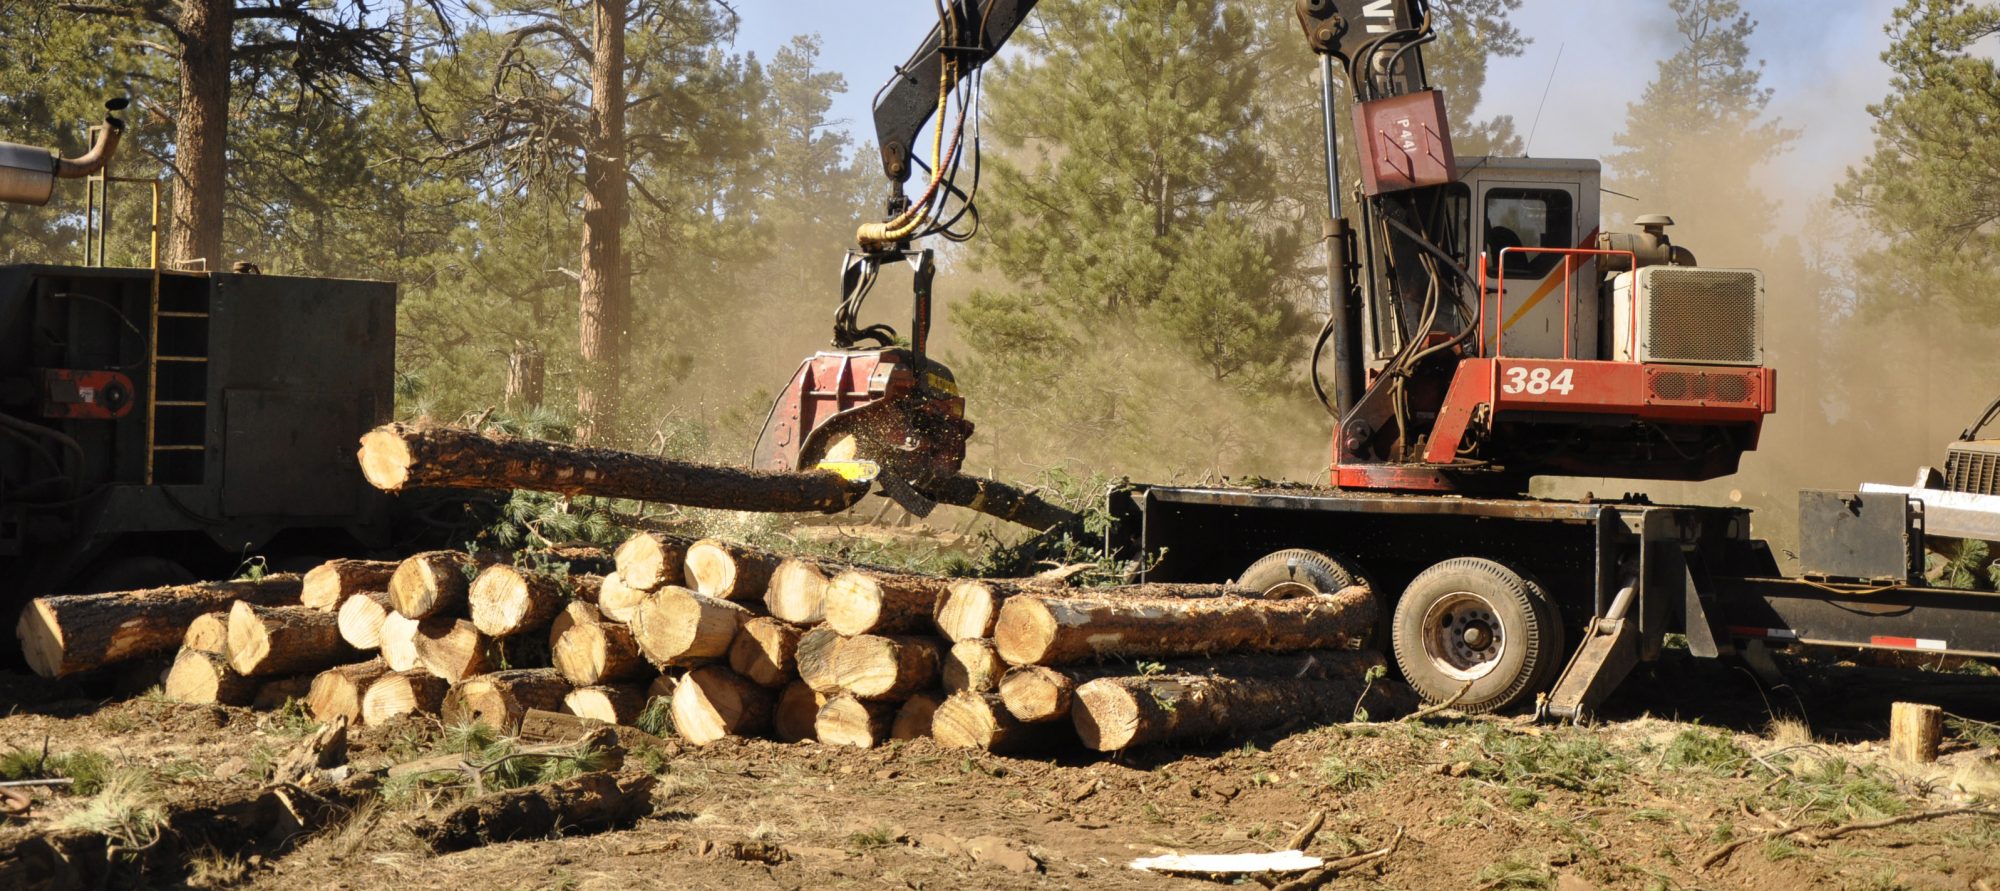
(1545, 100)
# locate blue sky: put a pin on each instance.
(1821, 58)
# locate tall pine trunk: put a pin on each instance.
(201, 132)
(605, 303)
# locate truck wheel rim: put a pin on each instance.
(1462, 636)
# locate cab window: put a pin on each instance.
(1530, 218)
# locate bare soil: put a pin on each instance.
(1688, 761)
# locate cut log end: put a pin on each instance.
(793, 718)
(1107, 716)
(403, 693)
(847, 721)
(712, 703)
(205, 678)
(797, 592)
(913, 720)
(385, 459)
(1036, 693)
(40, 633)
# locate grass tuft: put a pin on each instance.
(657, 718)
(1714, 751)
(127, 808)
(1569, 760)
(86, 770)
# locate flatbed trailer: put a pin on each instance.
(1620, 575)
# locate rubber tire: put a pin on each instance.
(1298, 566)
(1525, 612)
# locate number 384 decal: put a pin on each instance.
(1538, 381)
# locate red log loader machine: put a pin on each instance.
(1483, 331)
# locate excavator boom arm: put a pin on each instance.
(909, 99)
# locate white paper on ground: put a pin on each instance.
(1239, 864)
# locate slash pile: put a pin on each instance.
(739, 641)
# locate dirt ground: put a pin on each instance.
(1688, 761)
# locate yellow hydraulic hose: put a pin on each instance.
(905, 224)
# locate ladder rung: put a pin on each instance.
(180, 358)
(180, 404)
(166, 314)
(179, 448)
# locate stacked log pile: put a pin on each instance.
(733, 641)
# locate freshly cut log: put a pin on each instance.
(588, 650)
(1036, 693)
(972, 666)
(618, 600)
(712, 702)
(612, 704)
(454, 649)
(209, 633)
(360, 619)
(203, 678)
(1116, 713)
(676, 626)
(399, 640)
(969, 607)
(498, 700)
(797, 710)
(63, 635)
(797, 591)
(847, 721)
(873, 666)
(280, 692)
(268, 640)
(998, 499)
(507, 600)
(913, 720)
(413, 692)
(398, 456)
(329, 584)
(764, 651)
(1044, 629)
(814, 657)
(980, 721)
(859, 602)
(338, 691)
(431, 583)
(727, 570)
(593, 802)
(649, 560)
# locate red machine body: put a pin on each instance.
(888, 404)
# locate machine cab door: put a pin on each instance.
(1550, 305)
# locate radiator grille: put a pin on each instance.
(1701, 387)
(1704, 316)
(1973, 467)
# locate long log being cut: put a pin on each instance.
(1043, 629)
(860, 602)
(338, 691)
(329, 584)
(498, 700)
(848, 721)
(268, 640)
(797, 591)
(204, 678)
(676, 626)
(507, 600)
(892, 667)
(399, 456)
(1116, 713)
(398, 693)
(727, 570)
(649, 560)
(712, 702)
(63, 635)
(431, 583)
(998, 499)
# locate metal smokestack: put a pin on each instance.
(28, 174)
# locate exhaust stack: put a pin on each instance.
(28, 174)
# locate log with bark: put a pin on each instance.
(209, 633)
(338, 691)
(507, 600)
(862, 602)
(712, 702)
(649, 560)
(618, 600)
(913, 720)
(204, 678)
(269, 640)
(797, 709)
(848, 721)
(1037, 693)
(981, 721)
(676, 626)
(729, 571)
(498, 700)
(1043, 629)
(1003, 500)
(398, 640)
(1116, 713)
(764, 651)
(454, 649)
(593, 802)
(972, 666)
(63, 635)
(588, 650)
(360, 619)
(610, 703)
(969, 606)
(432, 583)
(329, 584)
(397, 456)
(814, 657)
(413, 692)
(797, 591)
(893, 667)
